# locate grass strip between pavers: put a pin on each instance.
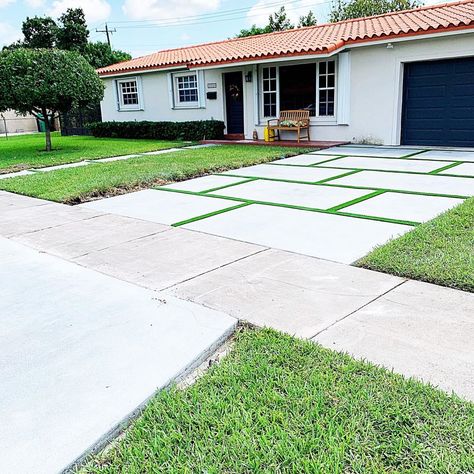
(356, 200)
(228, 185)
(210, 214)
(287, 206)
(447, 167)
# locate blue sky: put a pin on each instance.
(145, 26)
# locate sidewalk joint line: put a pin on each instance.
(358, 309)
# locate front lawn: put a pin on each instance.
(102, 179)
(440, 251)
(277, 404)
(27, 151)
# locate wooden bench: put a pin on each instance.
(291, 120)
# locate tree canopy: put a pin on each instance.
(348, 9)
(44, 82)
(69, 33)
(278, 21)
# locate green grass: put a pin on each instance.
(440, 251)
(27, 151)
(101, 179)
(276, 404)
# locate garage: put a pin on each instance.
(438, 103)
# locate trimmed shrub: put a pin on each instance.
(196, 130)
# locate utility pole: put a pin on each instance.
(108, 32)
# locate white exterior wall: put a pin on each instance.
(373, 100)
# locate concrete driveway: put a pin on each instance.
(335, 204)
(104, 303)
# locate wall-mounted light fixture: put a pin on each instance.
(389, 46)
(248, 77)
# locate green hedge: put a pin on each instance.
(196, 130)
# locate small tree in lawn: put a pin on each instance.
(45, 82)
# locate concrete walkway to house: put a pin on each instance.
(104, 307)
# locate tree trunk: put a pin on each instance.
(47, 129)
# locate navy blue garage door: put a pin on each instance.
(438, 103)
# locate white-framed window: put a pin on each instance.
(128, 94)
(310, 86)
(326, 88)
(186, 89)
(270, 91)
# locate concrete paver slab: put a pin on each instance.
(204, 183)
(419, 330)
(167, 258)
(161, 152)
(464, 169)
(408, 207)
(436, 184)
(394, 152)
(81, 237)
(159, 206)
(304, 232)
(81, 352)
(292, 173)
(307, 195)
(447, 155)
(15, 221)
(305, 160)
(390, 164)
(292, 293)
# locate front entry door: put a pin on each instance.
(234, 101)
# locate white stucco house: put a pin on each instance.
(399, 78)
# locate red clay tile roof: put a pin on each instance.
(319, 39)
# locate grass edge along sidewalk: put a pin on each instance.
(22, 152)
(280, 404)
(440, 251)
(80, 184)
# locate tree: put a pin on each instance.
(348, 9)
(73, 34)
(307, 20)
(70, 33)
(39, 32)
(101, 54)
(277, 21)
(45, 82)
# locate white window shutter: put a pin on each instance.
(344, 88)
(170, 90)
(202, 89)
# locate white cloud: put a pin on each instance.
(166, 9)
(35, 3)
(8, 34)
(260, 12)
(4, 3)
(95, 10)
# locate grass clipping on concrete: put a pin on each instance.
(279, 404)
(440, 251)
(76, 185)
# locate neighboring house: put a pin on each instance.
(12, 123)
(399, 78)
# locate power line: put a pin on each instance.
(167, 25)
(108, 32)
